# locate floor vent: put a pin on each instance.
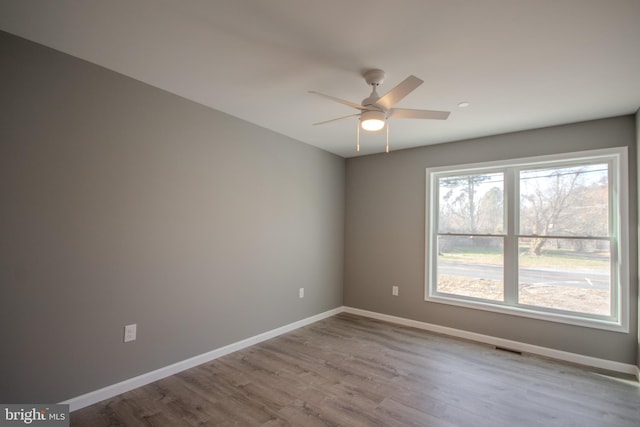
(509, 350)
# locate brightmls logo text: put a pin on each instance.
(37, 415)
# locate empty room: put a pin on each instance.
(330, 213)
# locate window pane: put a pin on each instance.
(471, 267)
(471, 204)
(565, 201)
(569, 274)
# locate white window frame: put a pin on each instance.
(619, 224)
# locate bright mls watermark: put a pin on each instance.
(34, 414)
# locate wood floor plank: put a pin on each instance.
(349, 370)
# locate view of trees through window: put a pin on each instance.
(560, 242)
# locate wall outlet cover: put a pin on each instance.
(130, 332)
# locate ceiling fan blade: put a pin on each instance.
(341, 101)
(406, 113)
(338, 119)
(407, 86)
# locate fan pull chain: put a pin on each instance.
(358, 135)
(387, 135)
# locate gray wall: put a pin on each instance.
(121, 203)
(385, 225)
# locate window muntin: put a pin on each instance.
(539, 238)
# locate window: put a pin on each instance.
(544, 237)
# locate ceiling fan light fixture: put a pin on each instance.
(374, 111)
(372, 120)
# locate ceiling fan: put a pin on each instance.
(375, 110)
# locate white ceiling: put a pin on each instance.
(521, 64)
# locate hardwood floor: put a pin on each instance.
(354, 371)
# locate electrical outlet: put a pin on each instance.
(301, 293)
(394, 291)
(130, 332)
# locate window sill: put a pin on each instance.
(530, 313)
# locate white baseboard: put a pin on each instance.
(149, 377)
(500, 342)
